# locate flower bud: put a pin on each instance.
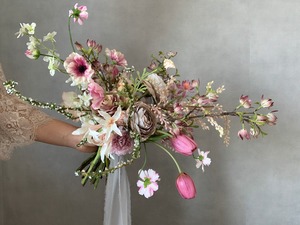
(244, 134)
(266, 103)
(183, 144)
(185, 186)
(245, 101)
(271, 119)
(35, 54)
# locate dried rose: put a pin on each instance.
(143, 120)
(108, 104)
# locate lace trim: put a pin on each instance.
(18, 122)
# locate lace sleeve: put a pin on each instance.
(18, 122)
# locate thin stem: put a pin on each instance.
(70, 35)
(172, 157)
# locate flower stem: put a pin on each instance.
(70, 35)
(172, 157)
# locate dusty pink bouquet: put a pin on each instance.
(120, 108)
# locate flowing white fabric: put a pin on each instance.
(117, 209)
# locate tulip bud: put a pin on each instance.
(183, 144)
(185, 186)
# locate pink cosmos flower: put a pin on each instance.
(244, 134)
(79, 13)
(266, 102)
(245, 101)
(97, 94)
(117, 57)
(78, 68)
(148, 182)
(122, 145)
(202, 160)
(185, 186)
(183, 144)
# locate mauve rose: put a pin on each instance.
(108, 104)
(143, 121)
(122, 145)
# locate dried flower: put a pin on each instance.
(143, 121)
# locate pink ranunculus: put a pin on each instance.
(116, 56)
(97, 94)
(243, 133)
(183, 144)
(266, 102)
(185, 186)
(79, 13)
(122, 145)
(245, 101)
(79, 68)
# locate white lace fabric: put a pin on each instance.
(18, 121)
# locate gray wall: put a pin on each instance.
(250, 46)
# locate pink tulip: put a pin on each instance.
(185, 186)
(183, 144)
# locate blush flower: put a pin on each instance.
(148, 182)
(116, 56)
(79, 13)
(122, 145)
(80, 71)
(97, 94)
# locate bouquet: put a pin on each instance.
(121, 109)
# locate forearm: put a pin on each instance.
(57, 132)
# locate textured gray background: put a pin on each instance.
(250, 46)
